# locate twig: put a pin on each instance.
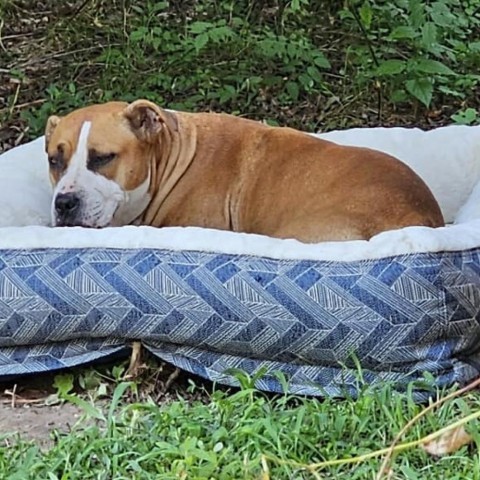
(19, 139)
(13, 394)
(63, 54)
(19, 35)
(17, 400)
(135, 358)
(22, 401)
(23, 105)
(124, 10)
(171, 378)
(388, 456)
(75, 12)
(2, 46)
(374, 58)
(15, 98)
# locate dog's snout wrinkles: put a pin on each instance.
(66, 204)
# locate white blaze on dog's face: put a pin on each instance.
(100, 162)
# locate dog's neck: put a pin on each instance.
(170, 159)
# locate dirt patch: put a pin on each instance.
(31, 408)
(37, 423)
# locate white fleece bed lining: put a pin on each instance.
(387, 244)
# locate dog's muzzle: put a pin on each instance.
(67, 207)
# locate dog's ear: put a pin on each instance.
(147, 119)
(52, 123)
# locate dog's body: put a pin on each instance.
(116, 164)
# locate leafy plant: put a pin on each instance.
(465, 117)
(417, 48)
(298, 63)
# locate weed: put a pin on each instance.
(417, 48)
(465, 117)
(299, 63)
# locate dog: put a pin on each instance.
(116, 164)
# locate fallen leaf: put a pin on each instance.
(449, 442)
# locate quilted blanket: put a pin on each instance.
(315, 321)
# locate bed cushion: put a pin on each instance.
(404, 303)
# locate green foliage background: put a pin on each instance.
(304, 63)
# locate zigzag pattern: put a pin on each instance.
(207, 312)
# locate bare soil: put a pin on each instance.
(37, 422)
(31, 408)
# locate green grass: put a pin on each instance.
(225, 435)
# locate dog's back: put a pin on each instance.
(284, 183)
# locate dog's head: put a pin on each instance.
(100, 160)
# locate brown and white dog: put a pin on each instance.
(117, 164)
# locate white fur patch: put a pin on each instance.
(136, 201)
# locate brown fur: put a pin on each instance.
(224, 172)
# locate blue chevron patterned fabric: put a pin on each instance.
(212, 314)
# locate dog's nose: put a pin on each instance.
(66, 204)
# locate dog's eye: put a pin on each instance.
(54, 161)
(96, 159)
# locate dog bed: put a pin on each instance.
(324, 319)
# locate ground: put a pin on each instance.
(33, 407)
(37, 423)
